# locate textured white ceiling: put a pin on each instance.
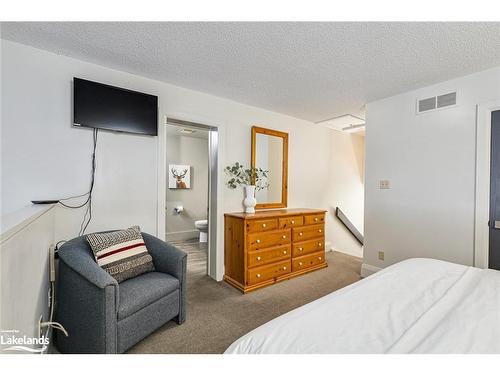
(312, 71)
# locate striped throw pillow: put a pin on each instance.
(123, 254)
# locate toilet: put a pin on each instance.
(202, 226)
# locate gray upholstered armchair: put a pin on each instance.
(102, 316)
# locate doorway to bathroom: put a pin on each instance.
(191, 162)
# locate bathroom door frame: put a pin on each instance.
(213, 169)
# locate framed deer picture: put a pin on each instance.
(179, 176)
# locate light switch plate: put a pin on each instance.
(384, 184)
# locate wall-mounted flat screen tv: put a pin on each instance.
(96, 105)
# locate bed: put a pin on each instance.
(415, 306)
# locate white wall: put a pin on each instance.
(430, 161)
(43, 156)
(346, 184)
(194, 152)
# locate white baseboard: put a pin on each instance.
(368, 269)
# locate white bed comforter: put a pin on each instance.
(416, 306)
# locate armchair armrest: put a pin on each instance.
(77, 257)
(166, 258)
(86, 302)
(171, 260)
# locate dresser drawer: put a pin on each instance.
(265, 256)
(314, 219)
(262, 240)
(262, 225)
(269, 272)
(308, 233)
(290, 222)
(308, 261)
(308, 247)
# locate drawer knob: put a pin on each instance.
(258, 258)
(293, 221)
(300, 249)
(319, 244)
(319, 258)
(315, 219)
(258, 241)
(264, 225)
(300, 263)
(300, 234)
(319, 230)
(258, 275)
(284, 268)
(284, 236)
(284, 252)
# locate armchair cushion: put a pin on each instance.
(144, 290)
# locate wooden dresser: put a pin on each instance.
(269, 246)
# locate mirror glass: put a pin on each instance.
(269, 156)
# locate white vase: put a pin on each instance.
(249, 202)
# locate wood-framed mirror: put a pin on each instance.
(270, 152)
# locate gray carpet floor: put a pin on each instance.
(218, 314)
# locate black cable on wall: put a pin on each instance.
(88, 202)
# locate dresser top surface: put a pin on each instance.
(263, 214)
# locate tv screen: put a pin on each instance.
(96, 105)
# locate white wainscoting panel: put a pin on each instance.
(24, 269)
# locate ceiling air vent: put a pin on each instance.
(426, 104)
(436, 102)
(447, 100)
